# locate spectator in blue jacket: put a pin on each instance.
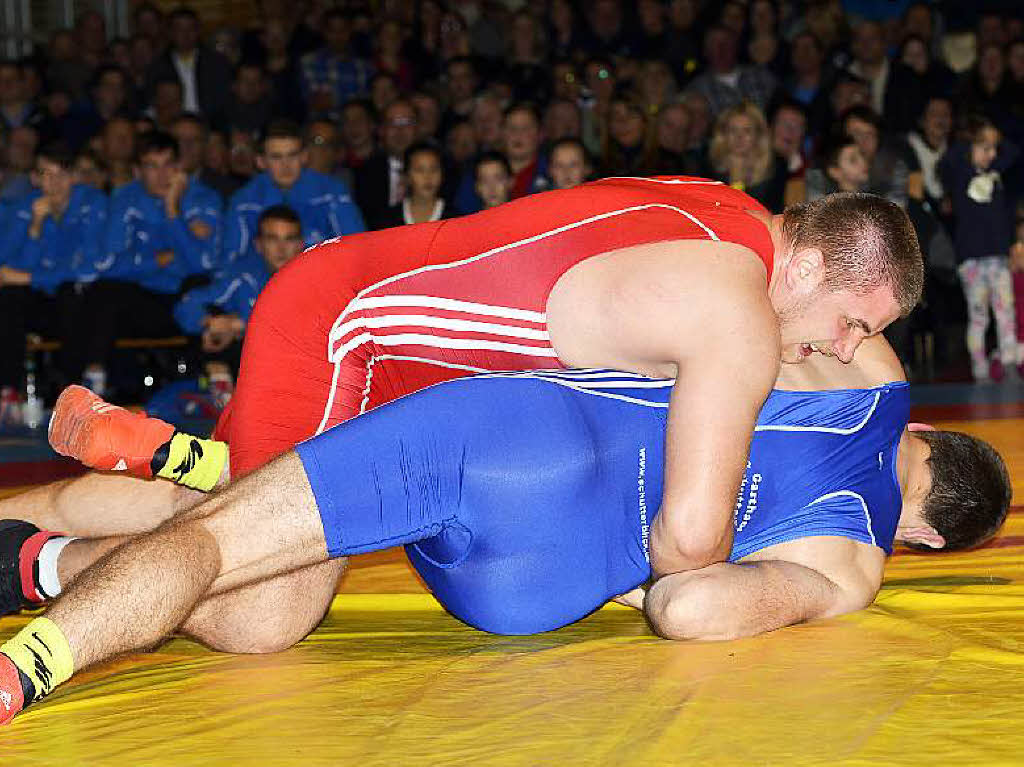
(322, 203)
(49, 248)
(163, 237)
(218, 312)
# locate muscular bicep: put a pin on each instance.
(729, 601)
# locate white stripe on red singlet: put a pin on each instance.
(448, 343)
(443, 342)
(518, 243)
(451, 304)
(419, 321)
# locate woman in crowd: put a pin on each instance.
(741, 155)
(628, 147)
(424, 175)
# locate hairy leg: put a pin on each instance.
(264, 525)
(96, 505)
(269, 616)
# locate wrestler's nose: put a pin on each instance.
(845, 348)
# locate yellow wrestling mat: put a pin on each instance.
(930, 675)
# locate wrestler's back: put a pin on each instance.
(355, 323)
(581, 474)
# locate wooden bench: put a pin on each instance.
(37, 344)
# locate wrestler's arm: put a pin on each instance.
(809, 578)
(698, 311)
(725, 346)
(730, 601)
(718, 394)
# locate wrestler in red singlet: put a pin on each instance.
(354, 323)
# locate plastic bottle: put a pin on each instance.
(32, 410)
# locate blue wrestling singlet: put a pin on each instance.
(524, 500)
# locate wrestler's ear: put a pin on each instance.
(924, 535)
(915, 426)
(805, 270)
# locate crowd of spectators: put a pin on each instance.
(146, 179)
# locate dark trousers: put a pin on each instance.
(126, 310)
(64, 318)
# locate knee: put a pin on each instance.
(275, 633)
(256, 642)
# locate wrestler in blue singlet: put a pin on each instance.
(524, 500)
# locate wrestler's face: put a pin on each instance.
(279, 242)
(834, 322)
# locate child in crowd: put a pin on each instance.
(493, 179)
(568, 165)
(971, 174)
(846, 166)
(424, 176)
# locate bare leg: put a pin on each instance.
(264, 617)
(98, 505)
(269, 616)
(264, 525)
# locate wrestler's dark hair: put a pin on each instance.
(278, 213)
(970, 492)
(866, 242)
(156, 141)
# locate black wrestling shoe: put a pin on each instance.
(13, 535)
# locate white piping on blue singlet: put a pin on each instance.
(595, 387)
(863, 505)
(826, 429)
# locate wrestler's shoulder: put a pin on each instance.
(878, 362)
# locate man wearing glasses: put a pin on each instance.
(379, 181)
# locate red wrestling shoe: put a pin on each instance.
(105, 436)
(12, 695)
